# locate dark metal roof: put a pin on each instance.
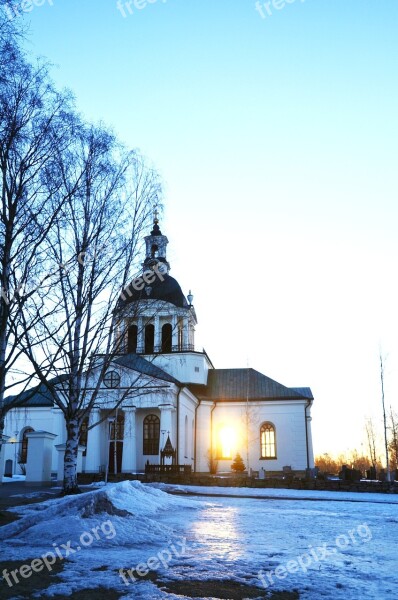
(136, 362)
(240, 384)
(304, 391)
(168, 290)
(38, 396)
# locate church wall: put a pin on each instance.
(203, 437)
(289, 422)
(141, 458)
(187, 367)
(39, 419)
(186, 429)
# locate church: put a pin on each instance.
(177, 408)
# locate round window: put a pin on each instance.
(112, 379)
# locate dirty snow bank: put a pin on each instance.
(130, 506)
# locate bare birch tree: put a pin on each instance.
(371, 439)
(111, 197)
(34, 127)
(393, 443)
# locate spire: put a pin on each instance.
(156, 228)
(156, 244)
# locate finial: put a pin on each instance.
(190, 298)
(156, 229)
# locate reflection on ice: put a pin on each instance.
(218, 530)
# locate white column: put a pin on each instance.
(185, 334)
(158, 336)
(166, 425)
(140, 335)
(93, 452)
(174, 333)
(129, 457)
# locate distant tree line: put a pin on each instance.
(363, 461)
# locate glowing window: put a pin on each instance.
(268, 443)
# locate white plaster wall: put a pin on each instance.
(187, 405)
(203, 437)
(182, 365)
(289, 421)
(41, 418)
(141, 459)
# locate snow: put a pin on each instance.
(278, 493)
(14, 478)
(215, 538)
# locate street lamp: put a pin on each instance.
(14, 440)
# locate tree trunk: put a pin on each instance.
(70, 460)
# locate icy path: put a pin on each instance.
(336, 549)
(245, 539)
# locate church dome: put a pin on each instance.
(168, 290)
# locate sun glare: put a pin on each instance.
(227, 441)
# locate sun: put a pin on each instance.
(227, 438)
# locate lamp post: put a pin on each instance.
(15, 452)
(14, 440)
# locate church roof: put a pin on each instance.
(38, 396)
(140, 364)
(168, 290)
(238, 384)
(304, 391)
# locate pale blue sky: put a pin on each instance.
(277, 142)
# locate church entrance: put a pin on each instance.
(115, 457)
(116, 435)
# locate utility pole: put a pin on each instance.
(384, 415)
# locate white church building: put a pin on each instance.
(180, 403)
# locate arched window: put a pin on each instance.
(132, 336)
(154, 251)
(186, 445)
(149, 339)
(23, 458)
(151, 435)
(166, 338)
(268, 441)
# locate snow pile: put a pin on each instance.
(130, 507)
